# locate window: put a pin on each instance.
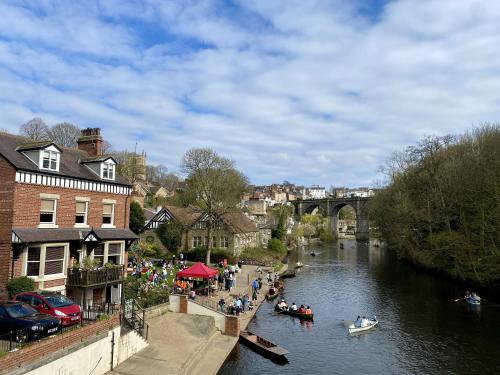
(50, 160)
(33, 263)
(108, 171)
(214, 241)
(54, 260)
(48, 211)
(197, 241)
(224, 242)
(81, 213)
(99, 254)
(108, 210)
(114, 253)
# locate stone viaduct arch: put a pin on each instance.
(332, 206)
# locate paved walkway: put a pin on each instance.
(182, 344)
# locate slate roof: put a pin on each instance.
(187, 216)
(35, 235)
(239, 222)
(70, 166)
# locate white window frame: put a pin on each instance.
(112, 224)
(224, 242)
(54, 215)
(53, 156)
(106, 251)
(86, 215)
(41, 272)
(109, 168)
(197, 241)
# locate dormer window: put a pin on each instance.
(108, 171)
(50, 160)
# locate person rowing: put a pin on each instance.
(308, 310)
(364, 322)
(302, 309)
(357, 323)
(283, 305)
(293, 307)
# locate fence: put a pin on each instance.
(15, 339)
(135, 317)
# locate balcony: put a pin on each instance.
(83, 278)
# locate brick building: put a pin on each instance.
(60, 207)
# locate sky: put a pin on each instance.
(309, 91)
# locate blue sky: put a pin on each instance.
(314, 92)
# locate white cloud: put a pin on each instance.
(312, 92)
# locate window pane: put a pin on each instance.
(46, 218)
(34, 254)
(99, 250)
(54, 252)
(54, 266)
(33, 269)
(80, 219)
(53, 164)
(106, 220)
(114, 249)
(47, 205)
(107, 209)
(45, 163)
(81, 207)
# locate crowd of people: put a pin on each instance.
(282, 305)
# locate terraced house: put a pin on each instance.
(231, 230)
(60, 207)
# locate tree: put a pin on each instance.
(170, 235)
(137, 217)
(35, 129)
(65, 134)
(214, 182)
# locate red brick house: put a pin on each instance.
(60, 206)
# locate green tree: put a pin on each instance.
(137, 217)
(170, 235)
(214, 183)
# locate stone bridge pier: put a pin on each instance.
(332, 206)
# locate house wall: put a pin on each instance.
(27, 206)
(7, 176)
(215, 232)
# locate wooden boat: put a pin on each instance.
(263, 346)
(294, 314)
(270, 297)
(287, 274)
(475, 301)
(298, 265)
(371, 323)
(312, 253)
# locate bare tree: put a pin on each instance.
(35, 129)
(65, 134)
(215, 183)
(107, 148)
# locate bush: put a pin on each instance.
(137, 217)
(326, 235)
(277, 246)
(217, 255)
(20, 285)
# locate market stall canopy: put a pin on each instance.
(198, 270)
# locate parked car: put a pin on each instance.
(54, 304)
(26, 322)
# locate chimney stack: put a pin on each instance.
(91, 141)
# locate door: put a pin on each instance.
(108, 294)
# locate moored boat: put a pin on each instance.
(263, 346)
(270, 296)
(475, 301)
(294, 314)
(371, 323)
(298, 265)
(312, 253)
(287, 274)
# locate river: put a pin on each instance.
(421, 330)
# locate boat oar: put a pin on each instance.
(459, 299)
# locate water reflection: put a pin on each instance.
(422, 330)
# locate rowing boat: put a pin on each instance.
(371, 323)
(298, 265)
(294, 313)
(277, 291)
(288, 274)
(263, 346)
(475, 301)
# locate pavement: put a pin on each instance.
(183, 344)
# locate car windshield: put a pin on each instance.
(58, 300)
(20, 310)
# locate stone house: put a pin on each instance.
(58, 206)
(233, 230)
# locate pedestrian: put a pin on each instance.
(254, 295)
(222, 303)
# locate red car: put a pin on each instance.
(54, 304)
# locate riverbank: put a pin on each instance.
(194, 342)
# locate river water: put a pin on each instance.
(421, 330)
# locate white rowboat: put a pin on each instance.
(371, 324)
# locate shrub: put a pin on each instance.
(277, 246)
(137, 217)
(20, 285)
(326, 235)
(217, 255)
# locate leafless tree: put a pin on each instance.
(35, 129)
(65, 134)
(215, 183)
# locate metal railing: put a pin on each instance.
(105, 275)
(135, 317)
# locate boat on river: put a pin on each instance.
(473, 300)
(276, 293)
(371, 324)
(299, 265)
(312, 253)
(263, 346)
(294, 313)
(287, 274)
